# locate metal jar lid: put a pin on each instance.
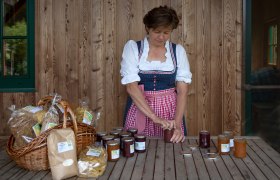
(115, 132)
(125, 134)
(108, 137)
(140, 136)
(133, 130)
(103, 133)
(128, 139)
(112, 143)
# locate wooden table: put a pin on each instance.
(164, 161)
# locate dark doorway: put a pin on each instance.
(262, 79)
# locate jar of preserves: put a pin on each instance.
(122, 135)
(116, 134)
(99, 136)
(240, 147)
(118, 128)
(223, 145)
(113, 150)
(128, 146)
(230, 136)
(204, 139)
(168, 133)
(105, 139)
(132, 131)
(140, 143)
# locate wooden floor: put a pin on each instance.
(164, 161)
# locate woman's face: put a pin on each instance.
(158, 36)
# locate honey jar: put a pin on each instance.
(223, 145)
(132, 131)
(128, 146)
(140, 143)
(168, 133)
(113, 150)
(230, 136)
(204, 139)
(240, 147)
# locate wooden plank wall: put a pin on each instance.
(79, 46)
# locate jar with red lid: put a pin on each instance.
(204, 139)
(168, 133)
(128, 146)
(113, 150)
(140, 143)
(132, 131)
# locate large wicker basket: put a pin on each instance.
(34, 156)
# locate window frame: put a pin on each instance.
(20, 83)
(268, 24)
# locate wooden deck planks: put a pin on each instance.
(165, 161)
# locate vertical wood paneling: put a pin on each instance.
(111, 65)
(189, 42)
(79, 46)
(229, 64)
(203, 64)
(216, 66)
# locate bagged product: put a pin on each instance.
(92, 162)
(51, 118)
(62, 153)
(83, 113)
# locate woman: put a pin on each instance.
(156, 73)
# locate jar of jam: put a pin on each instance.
(123, 134)
(168, 133)
(128, 146)
(240, 147)
(116, 134)
(113, 150)
(99, 136)
(133, 131)
(204, 139)
(223, 145)
(230, 136)
(140, 143)
(118, 128)
(105, 139)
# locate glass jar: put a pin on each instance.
(113, 150)
(133, 131)
(140, 143)
(240, 147)
(118, 128)
(230, 136)
(99, 136)
(223, 145)
(204, 139)
(123, 134)
(168, 133)
(116, 134)
(128, 146)
(105, 139)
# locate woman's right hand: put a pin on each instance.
(165, 124)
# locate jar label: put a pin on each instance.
(225, 148)
(115, 154)
(231, 143)
(131, 148)
(140, 146)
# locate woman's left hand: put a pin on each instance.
(178, 136)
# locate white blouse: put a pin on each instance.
(130, 65)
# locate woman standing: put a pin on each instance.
(156, 73)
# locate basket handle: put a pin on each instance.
(67, 109)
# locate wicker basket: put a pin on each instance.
(34, 156)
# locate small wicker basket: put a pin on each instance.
(34, 155)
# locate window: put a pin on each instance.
(17, 46)
(271, 46)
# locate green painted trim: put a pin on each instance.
(23, 83)
(248, 53)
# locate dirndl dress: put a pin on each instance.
(158, 88)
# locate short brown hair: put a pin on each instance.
(161, 16)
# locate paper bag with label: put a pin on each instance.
(62, 153)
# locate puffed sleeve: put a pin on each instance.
(129, 64)
(183, 67)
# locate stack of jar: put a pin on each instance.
(119, 140)
(227, 143)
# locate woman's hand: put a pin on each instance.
(178, 136)
(165, 124)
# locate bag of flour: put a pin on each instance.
(62, 153)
